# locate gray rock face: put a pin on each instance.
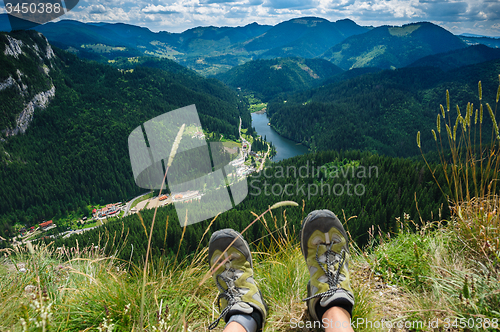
(43, 52)
(7, 83)
(14, 47)
(23, 120)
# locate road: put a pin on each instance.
(244, 152)
(264, 159)
(129, 204)
(77, 231)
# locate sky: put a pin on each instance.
(458, 16)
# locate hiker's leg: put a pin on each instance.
(337, 319)
(242, 311)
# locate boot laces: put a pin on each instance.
(332, 274)
(231, 294)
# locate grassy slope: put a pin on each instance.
(410, 277)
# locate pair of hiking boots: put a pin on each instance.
(324, 244)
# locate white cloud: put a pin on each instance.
(97, 9)
(474, 16)
(159, 9)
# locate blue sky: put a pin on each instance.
(462, 16)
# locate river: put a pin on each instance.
(285, 148)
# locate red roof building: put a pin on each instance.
(45, 224)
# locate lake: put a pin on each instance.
(285, 148)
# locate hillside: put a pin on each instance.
(269, 78)
(306, 37)
(459, 58)
(208, 50)
(74, 149)
(475, 40)
(379, 112)
(397, 274)
(392, 47)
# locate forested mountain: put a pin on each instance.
(351, 73)
(269, 78)
(192, 41)
(392, 47)
(475, 40)
(74, 151)
(306, 37)
(374, 189)
(380, 112)
(459, 58)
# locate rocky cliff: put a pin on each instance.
(26, 62)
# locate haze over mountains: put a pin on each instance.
(212, 50)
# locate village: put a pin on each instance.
(248, 161)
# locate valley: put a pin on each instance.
(336, 106)
(395, 128)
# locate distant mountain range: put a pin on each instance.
(306, 37)
(214, 50)
(467, 35)
(459, 58)
(488, 41)
(392, 47)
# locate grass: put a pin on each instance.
(231, 144)
(463, 260)
(86, 290)
(140, 199)
(257, 107)
(471, 175)
(255, 104)
(436, 276)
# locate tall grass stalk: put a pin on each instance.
(471, 169)
(173, 152)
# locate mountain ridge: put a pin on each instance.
(392, 47)
(269, 78)
(459, 58)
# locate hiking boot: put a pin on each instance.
(238, 292)
(324, 244)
